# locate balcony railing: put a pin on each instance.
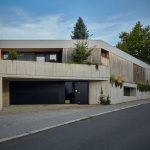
(46, 70)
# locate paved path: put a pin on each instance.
(24, 123)
(127, 129)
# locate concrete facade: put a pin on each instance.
(44, 70)
(95, 89)
(117, 63)
(5, 93)
(1, 93)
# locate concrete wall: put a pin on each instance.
(5, 93)
(1, 93)
(117, 94)
(143, 95)
(46, 70)
(0, 54)
(95, 89)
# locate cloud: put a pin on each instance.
(23, 26)
(109, 29)
(119, 16)
(18, 24)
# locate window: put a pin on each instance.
(26, 56)
(53, 57)
(5, 56)
(129, 91)
(104, 57)
(40, 58)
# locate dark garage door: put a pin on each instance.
(37, 92)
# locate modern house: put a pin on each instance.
(42, 74)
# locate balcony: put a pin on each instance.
(47, 70)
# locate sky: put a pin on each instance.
(55, 19)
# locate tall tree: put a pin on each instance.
(136, 42)
(80, 30)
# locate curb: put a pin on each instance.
(68, 122)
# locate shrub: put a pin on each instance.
(112, 79)
(108, 100)
(81, 53)
(103, 100)
(12, 55)
(143, 87)
(102, 97)
(118, 81)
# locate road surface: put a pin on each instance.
(127, 129)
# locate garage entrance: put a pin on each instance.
(37, 92)
(48, 92)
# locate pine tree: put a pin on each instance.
(80, 30)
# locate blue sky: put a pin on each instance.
(54, 19)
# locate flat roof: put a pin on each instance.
(70, 44)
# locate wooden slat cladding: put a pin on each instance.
(95, 56)
(67, 54)
(104, 57)
(138, 73)
(147, 75)
(121, 67)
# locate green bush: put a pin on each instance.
(108, 100)
(12, 55)
(143, 87)
(118, 81)
(103, 100)
(81, 52)
(112, 79)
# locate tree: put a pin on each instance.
(136, 42)
(81, 52)
(80, 30)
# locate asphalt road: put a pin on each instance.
(127, 129)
